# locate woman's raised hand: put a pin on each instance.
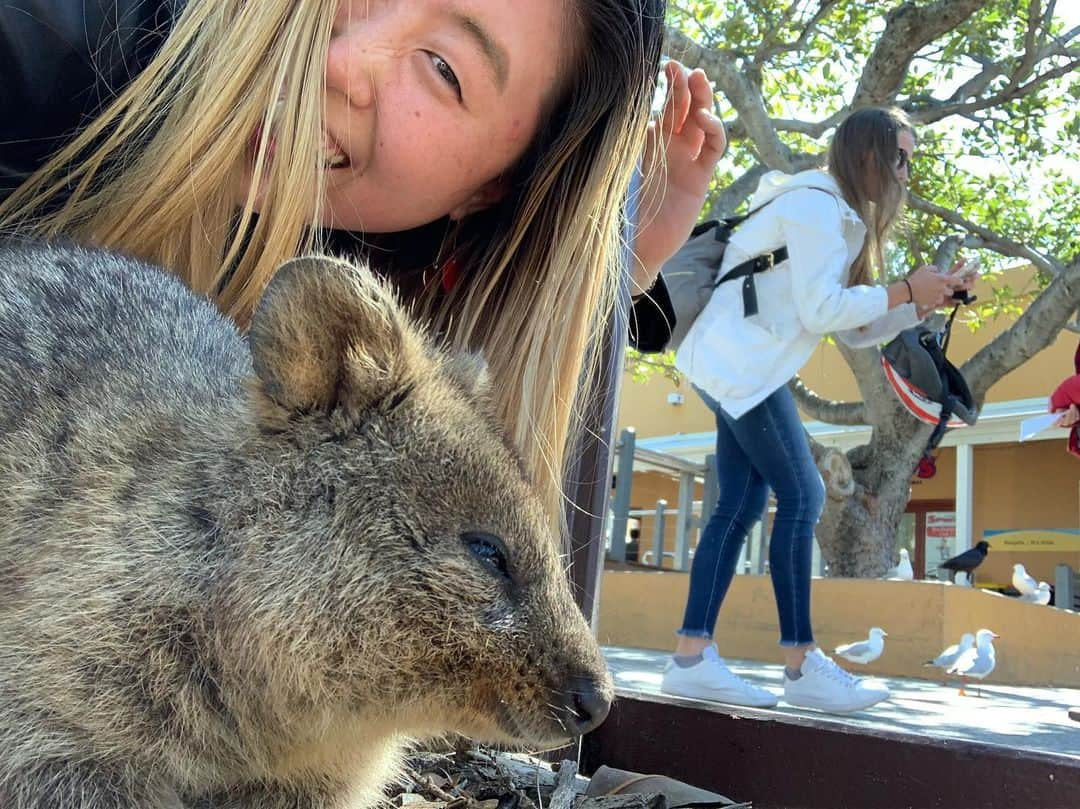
(931, 288)
(683, 147)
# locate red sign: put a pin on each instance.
(941, 524)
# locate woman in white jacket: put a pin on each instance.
(833, 225)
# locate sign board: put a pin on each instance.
(940, 538)
(1048, 539)
(941, 524)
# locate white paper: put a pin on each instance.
(1036, 424)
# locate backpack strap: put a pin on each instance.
(946, 406)
(746, 271)
(761, 263)
(946, 333)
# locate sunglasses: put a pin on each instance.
(903, 159)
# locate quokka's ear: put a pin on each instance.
(327, 333)
(470, 371)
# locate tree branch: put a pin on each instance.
(991, 240)
(822, 409)
(976, 85)
(1035, 53)
(813, 129)
(728, 201)
(835, 470)
(743, 94)
(770, 49)
(946, 252)
(908, 29)
(1033, 331)
(882, 406)
(733, 196)
(933, 112)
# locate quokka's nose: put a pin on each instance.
(584, 705)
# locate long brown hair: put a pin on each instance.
(862, 159)
(154, 175)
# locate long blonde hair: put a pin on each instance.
(872, 190)
(155, 176)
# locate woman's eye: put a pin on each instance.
(446, 73)
(489, 550)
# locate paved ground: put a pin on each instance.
(1016, 717)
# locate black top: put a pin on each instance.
(61, 61)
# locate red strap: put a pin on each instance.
(451, 271)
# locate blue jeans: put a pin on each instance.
(764, 448)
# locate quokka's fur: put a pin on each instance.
(240, 574)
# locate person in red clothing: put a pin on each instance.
(1066, 400)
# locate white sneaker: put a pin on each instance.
(827, 687)
(711, 679)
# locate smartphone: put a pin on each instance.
(969, 268)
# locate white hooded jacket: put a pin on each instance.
(739, 361)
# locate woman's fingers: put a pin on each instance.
(715, 142)
(701, 92)
(677, 105)
(932, 288)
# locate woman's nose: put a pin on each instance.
(351, 69)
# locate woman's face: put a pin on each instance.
(428, 102)
(901, 167)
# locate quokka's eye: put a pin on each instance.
(489, 549)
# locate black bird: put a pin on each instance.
(968, 560)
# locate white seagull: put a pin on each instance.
(946, 659)
(903, 571)
(864, 651)
(976, 663)
(1023, 581)
(1040, 596)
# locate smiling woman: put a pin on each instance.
(429, 108)
(478, 151)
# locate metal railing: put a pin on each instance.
(688, 518)
(690, 515)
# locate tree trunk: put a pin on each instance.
(858, 533)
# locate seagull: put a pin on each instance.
(1023, 581)
(903, 571)
(968, 560)
(864, 651)
(946, 659)
(962, 579)
(1040, 596)
(976, 663)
